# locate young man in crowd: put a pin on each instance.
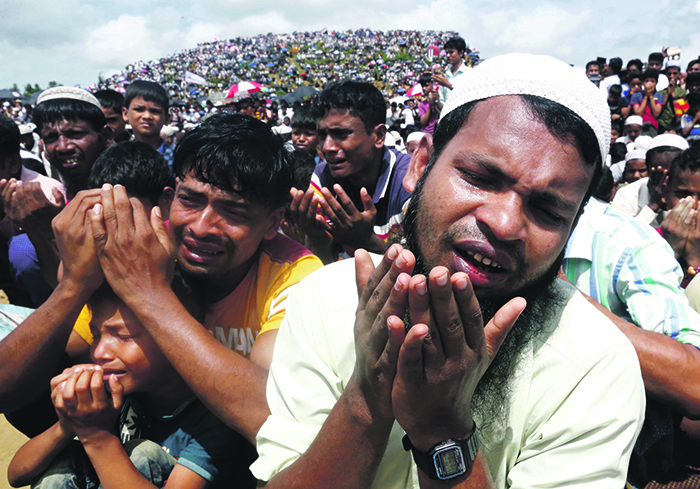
(454, 53)
(112, 103)
(234, 178)
(644, 198)
(671, 94)
(648, 102)
(358, 186)
(563, 400)
(146, 111)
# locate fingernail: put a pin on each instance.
(421, 288)
(461, 283)
(106, 186)
(97, 209)
(393, 253)
(400, 285)
(401, 261)
(441, 280)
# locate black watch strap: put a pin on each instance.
(465, 452)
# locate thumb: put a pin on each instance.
(496, 330)
(58, 197)
(161, 229)
(364, 266)
(117, 390)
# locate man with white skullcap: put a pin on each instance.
(403, 388)
(71, 124)
(643, 198)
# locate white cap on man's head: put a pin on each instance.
(73, 93)
(414, 136)
(543, 76)
(634, 119)
(642, 142)
(637, 154)
(673, 140)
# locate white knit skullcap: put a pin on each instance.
(673, 140)
(73, 93)
(642, 142)
(634, 119)
(414, 136)
(637, 154)
(543, 76)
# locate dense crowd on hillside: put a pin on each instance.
(283, 62)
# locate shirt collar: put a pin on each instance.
(388, 161)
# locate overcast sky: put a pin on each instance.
(73, 41)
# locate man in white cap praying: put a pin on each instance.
(404, 387)
(643, 198)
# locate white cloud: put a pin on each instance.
(121, 41)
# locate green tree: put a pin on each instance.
(53, 84)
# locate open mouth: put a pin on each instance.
(202, 252)
(483, 262)
(70, 162)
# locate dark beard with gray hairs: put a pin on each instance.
(75, 182)
(490, 403)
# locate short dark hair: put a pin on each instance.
(617, 152)
(693, 62)
(304, 118)
(650, 73)
(110, 99)
(237, 153)
(635, 62)
(425, 78)
(456, 43)
(361, 99)
(304, 166)
(686, 160)
(692, 78)
(68, 109)
(139, 167)
(615, 65)
(591, 63)
(561, 121)
(615, 90)
(617, 124)
(9, 137)
(147, 90)
(657, 57)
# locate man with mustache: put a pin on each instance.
(517, 153)
(72, 128)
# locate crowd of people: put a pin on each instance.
(282, 62)
(489, 281)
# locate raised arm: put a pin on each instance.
(137, 258)
(33, 352)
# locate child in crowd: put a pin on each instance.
(146, 110)
(690, 121)
(304, 133)
(135, 417)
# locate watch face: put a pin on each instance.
(449, 462)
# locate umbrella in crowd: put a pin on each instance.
(415, 90)
(246, 86)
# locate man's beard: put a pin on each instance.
(490, 403)
(75, 182)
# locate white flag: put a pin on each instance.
(196, 79)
